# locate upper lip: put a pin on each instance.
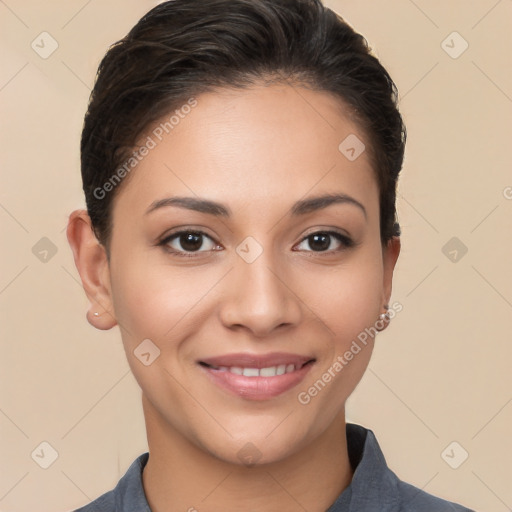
(245, 360)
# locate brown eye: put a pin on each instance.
(323, 241)
(319, 241)
(189, 241)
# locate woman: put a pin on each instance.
(239, 162)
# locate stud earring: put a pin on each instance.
(384, 319)
(96, 313)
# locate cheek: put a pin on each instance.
(347, 298)
(155, 301)
(348, 301)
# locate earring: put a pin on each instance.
(96, 313)
(384, 319)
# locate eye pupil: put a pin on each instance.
(191, 241)
(320, 241)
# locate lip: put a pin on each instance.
(256, 388)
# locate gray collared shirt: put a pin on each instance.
(374, 487)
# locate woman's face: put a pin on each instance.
(231, 278)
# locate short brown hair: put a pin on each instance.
(183, 48)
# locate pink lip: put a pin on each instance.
(256, 388)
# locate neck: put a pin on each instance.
(179, 476)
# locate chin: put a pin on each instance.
(247, 453)
(259, 444)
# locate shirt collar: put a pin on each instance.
(129, 492)
(373, 487)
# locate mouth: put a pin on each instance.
(256, 377)
(268, 371)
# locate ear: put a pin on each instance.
(92, 264)
(390, 254)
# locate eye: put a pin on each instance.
(323, 241)
(183, 243)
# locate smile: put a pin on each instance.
(255, 377)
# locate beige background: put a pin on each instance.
(440, 373)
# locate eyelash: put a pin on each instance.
(344, 240)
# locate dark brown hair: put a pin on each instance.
(183, 48)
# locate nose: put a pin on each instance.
(258, 299)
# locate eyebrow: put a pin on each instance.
(301, 207)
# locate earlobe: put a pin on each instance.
(92, 265)
(102, 320)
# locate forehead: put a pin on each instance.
(262, 145)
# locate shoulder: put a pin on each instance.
(413, 499)
(127, 496)
(375, 486)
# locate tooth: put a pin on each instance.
(281, 369)
(251, 372)
(271, 371)
(237, 370)
(223, 368)
(290, 368)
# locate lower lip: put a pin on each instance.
(257, 388)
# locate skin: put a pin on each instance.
(257, 151)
